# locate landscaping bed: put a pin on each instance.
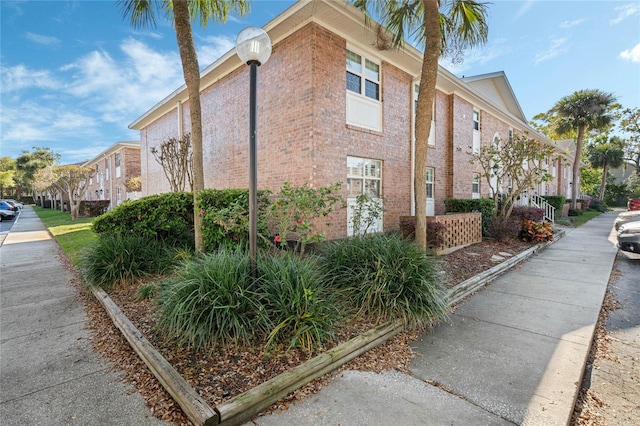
(224, 374)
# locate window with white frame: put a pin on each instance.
(476, 132)
(510, 134)
(364, 108)
(118, 196)
(475, 186)
(432, 129)
(364, 177)
(430, 181)
(117, 161)
(106, 169)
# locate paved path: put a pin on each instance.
(512, 354)
(49, 375)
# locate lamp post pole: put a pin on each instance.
(253, 167)
(253, 46)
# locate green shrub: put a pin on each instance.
(121, 258)
(209, 301)
(147, 291)
(598, 205)
(535, 231)
(167, 217)
(386, 277)
(483, 205)
(557, 201)
(574, 212)
(297, 306)
(226, 217)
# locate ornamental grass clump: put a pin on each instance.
(298, 308)
(386, 277)
(210, 301)
(123, 258)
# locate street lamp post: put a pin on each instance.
(253, 46)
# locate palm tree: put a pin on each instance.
(142, 13)
(606, 155)
(444, 27)
(582, 111)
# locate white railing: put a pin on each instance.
(541, 203)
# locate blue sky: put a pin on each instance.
(75, 74)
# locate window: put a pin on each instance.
(118, 196)
(475, 186)
(363, 76)
(510, 135)
(432, 129)
(476, 132)
(363, 92)
(117, 161)
(106, 169)
(364, 176)
(430, 181)
(476, 120)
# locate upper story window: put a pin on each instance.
(476, 120)
(363, 76)
(510, 135)
(364, 108)
(476, 132)
(117, 161)
(432, 129)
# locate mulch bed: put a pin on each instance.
(222, 374)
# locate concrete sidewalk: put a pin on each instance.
(49, 375)
(514, 353)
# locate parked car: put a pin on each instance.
(629, 237)
(625, 217)
(7, 211)
(15, 202)
(633, 204)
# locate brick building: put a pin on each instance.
(335, 103)
(114, 168)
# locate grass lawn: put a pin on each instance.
(72, 236)
(585, 217)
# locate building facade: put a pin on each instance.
(114, 169)
(336, 103)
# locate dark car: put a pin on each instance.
(633, 204)
(7, 211)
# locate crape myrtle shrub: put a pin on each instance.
(556, 201)
(167, 217)
(469, 205)
(226, 217)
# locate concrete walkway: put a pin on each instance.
(513, 354)
(49, 375)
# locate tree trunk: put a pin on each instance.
(424, 111)
(603, 185)
(576, 168)
(191, 72)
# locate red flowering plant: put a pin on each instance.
(536, 231)
(295, 211)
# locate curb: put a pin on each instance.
(473, 284)
(242, 407)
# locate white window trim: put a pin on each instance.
(363, 111)
(351, 199)
(476, 142)
(475, 183)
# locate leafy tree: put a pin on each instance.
(590, 180)
(581, 111)
(176, 158)
(7, 174)
(183, 12)
(606, 155)
(519, 162)
(443, 27)
(46, 180)
(73, 180)
(28, 163)
(630, 124)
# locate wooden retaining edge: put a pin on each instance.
(198, 411)
(242, 407)
(473, 284)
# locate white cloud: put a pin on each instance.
(212, 48)
(477, 56)
(524, 8)
(570, 24)
(42, 39)
(632, 54)
(558, 47)
(624, 12)
(20, 77)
